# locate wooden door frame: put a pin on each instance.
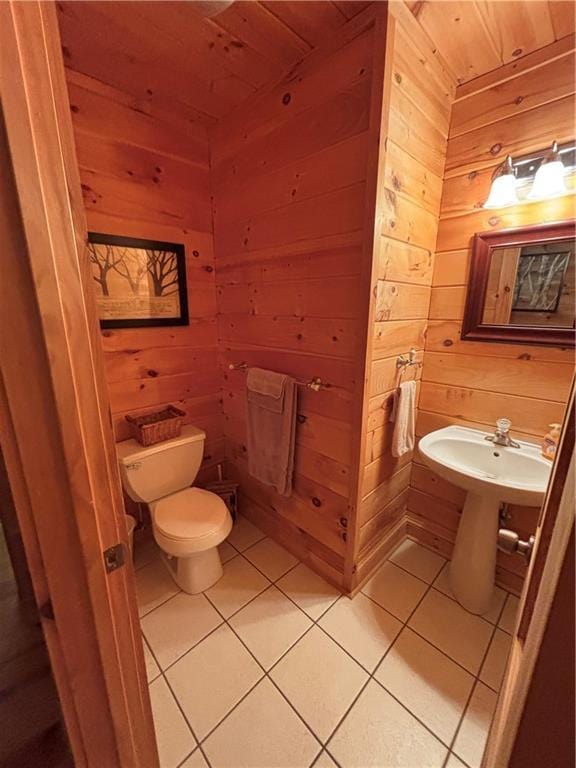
(553, 535)
(55, 423)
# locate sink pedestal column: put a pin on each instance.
(473, 565)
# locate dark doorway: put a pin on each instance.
(33, 732)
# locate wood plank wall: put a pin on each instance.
(146, 174)
(289, 182)
(518, 108)
(416, 123)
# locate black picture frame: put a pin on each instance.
(98, 238)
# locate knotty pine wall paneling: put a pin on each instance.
(516, 109)
(289, 176)
(415, 123)
(145, 173)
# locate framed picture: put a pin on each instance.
(540, 279)
(138, 282)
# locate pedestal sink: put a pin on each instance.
(491, 474)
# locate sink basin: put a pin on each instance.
(464, 457)
(491, 474)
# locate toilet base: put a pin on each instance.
(195, 573)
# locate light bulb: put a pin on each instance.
(502, 192)
(549, 181)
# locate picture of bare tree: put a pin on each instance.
(139, 282)
(163, 270)
(131, 268)
(104, 258)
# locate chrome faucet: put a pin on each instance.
(501, 434)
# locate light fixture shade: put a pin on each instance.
(502, 192)
(549, 181)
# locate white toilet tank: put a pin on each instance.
(149, 473)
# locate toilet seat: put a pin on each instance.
(190, 521)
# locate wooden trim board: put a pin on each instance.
(65, 481)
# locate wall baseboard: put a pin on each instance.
(374, 558)
(296, 541)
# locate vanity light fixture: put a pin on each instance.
(549, 178)
(537, 176)
(503, 189)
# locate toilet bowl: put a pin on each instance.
(188, 526)
(188, 523)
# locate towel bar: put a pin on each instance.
(315, 384)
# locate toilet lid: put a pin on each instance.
(190, 514)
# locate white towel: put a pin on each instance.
(404, 417)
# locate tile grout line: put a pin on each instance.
(314, 622)
(264, 676)
(199, 743)
(372, 678)
(219, 625)
(405, 625)
(177, 702)
(444, 653)
(476, 681)
(223, 619)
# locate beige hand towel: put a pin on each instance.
(404, 417)
(271, 421)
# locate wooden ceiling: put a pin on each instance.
(168, 56)
(476, 36)
(167, 53)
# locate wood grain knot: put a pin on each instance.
(301, 418)
(398, 77)
(195, 254)
(344, 522)
(74, 108)
(447, 343)
(287, 98)
(151, 372)
(495, 149)
(517, 52)
(316, 501)
(208, 268)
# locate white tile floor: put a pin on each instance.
(271, 667)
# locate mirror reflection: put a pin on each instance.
(531, 285)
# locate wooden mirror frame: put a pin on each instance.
(473, 329)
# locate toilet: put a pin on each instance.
(188, 523)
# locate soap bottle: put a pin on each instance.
(550, 442)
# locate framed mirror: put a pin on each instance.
(521, 286)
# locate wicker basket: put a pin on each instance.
(158, 426)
